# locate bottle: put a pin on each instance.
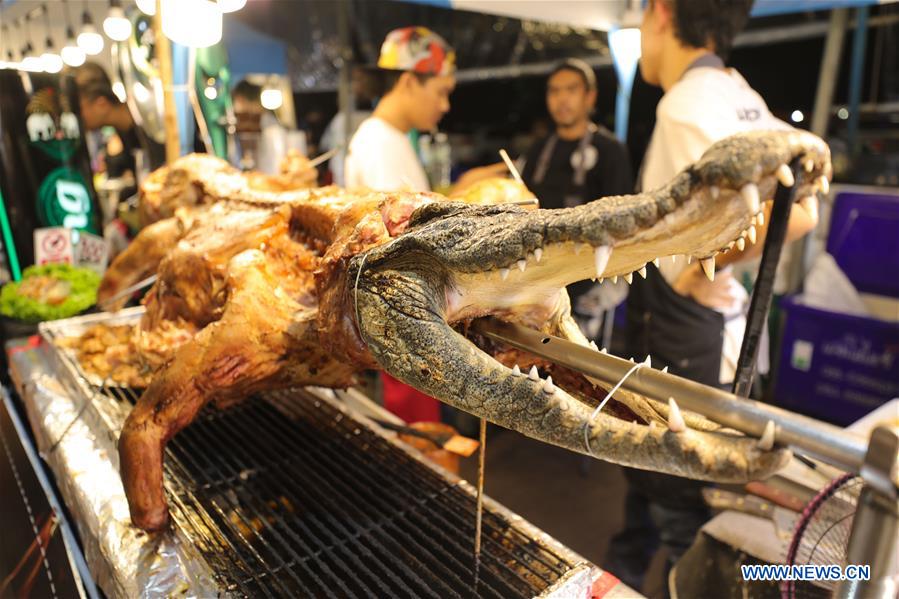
(45, 174)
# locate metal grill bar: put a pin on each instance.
(460, 518)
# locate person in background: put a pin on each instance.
(576, 163)
(417, 68)
(365, 91)
(100, 107)
(247, 104)
(679, 317)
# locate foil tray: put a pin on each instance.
(77, 430)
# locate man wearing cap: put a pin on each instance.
(577, 163)
(417, 67)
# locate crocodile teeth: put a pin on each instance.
(642, 271)
(504, 273)
(548, 386)
(673, 258)
(629, 277)
(676, 422)
(708, 267)
(689, 259)
(522, 264)
(601, 258)
(741, 244)
(750, 193)
(533, 374)
(648, 360)
(615, 280)
(516, 370)
(752, 234)
(824, 184)
(665, 369)
(766, 442)
(538, 254)
(809, 165)
(785, 176)
(761, 219)
(656, 261)
(603, 351)
(810, 204)
(593, 345)
(713, 191)
(731, 245)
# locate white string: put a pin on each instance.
(356, 296)
(602, 404)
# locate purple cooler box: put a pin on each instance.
(839, 367)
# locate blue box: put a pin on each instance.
(838, 367)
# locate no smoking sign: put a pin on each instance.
(53, 245)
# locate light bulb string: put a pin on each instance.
(48, 43)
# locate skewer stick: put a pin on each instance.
(512, 169)
(323, 157)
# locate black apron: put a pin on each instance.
(676, 331)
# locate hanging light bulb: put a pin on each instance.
(118, 88)
(30, 62)
(148, 7)
(72, 54)
(192, 23)
(52, 61)
(89, 40)
(271, 97)
(116, 25)
(231, 5)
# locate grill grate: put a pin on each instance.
(291, 496)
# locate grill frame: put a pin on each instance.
(322, 408)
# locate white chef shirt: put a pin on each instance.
(705, 106)
(381, 157)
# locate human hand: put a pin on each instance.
(716, 294)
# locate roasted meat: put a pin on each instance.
(316, 286)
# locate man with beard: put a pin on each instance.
(577, 163)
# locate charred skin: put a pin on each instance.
(394, 287)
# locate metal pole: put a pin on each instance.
(825, 441)
(873, 540)
(345, 100)
(856, 76)
(830, 66)
(763, 290)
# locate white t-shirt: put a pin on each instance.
(381, 158)
(335, 135)
(705, 106)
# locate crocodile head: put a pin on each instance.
(414, 296)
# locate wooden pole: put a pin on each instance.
(170, 116)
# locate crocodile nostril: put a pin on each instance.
(545, 340)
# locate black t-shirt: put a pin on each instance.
(611, 175)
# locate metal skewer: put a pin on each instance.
(825, 441)
(323, 157)
(512, 168)
(126, 292)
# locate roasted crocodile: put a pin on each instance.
(328, 283)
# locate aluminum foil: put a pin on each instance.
(77, 439)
